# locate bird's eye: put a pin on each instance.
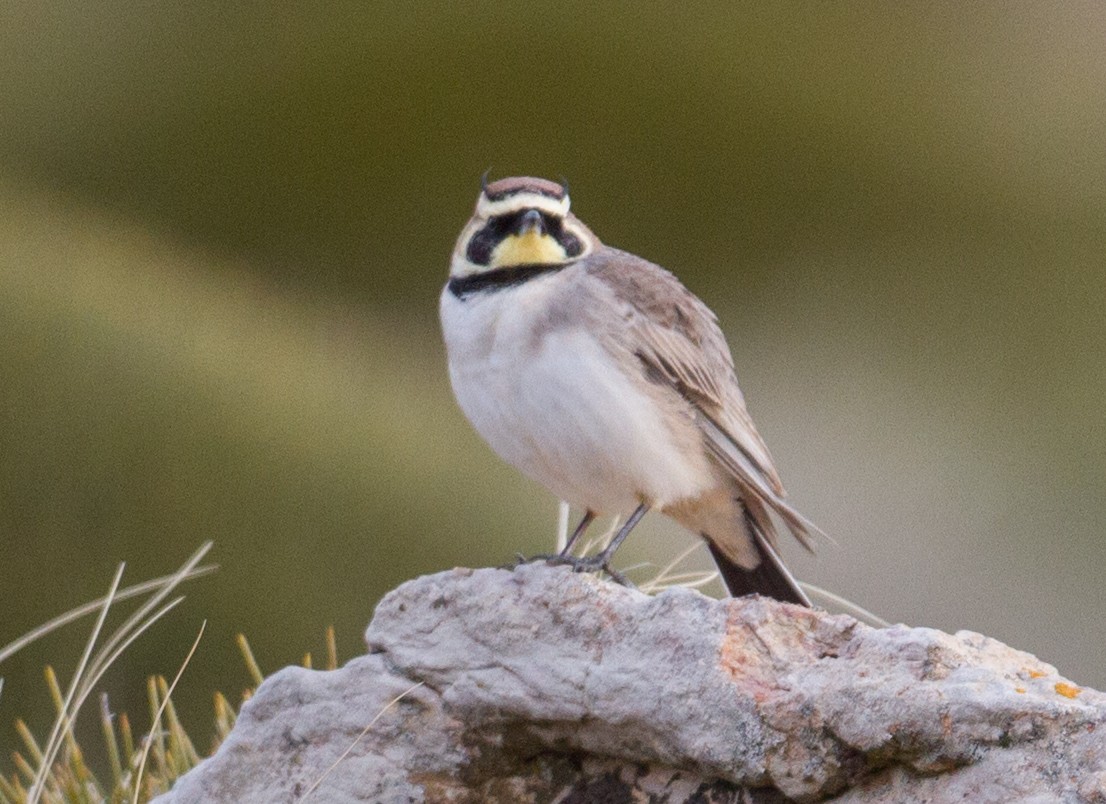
(480, 247)
(483, 243)
(571, 244)
(569, 241)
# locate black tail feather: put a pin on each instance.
(769, 577)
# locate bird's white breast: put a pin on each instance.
(559, 407)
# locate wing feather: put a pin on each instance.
(678, 339)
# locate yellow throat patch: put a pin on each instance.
(531, 248)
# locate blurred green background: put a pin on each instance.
(224, 227)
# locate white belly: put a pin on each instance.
(560, 409)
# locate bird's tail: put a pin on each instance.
(769, 577)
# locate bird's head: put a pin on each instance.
(520, 221)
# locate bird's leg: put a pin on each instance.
(589, 517)
(603, 560)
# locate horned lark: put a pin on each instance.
(599, 375)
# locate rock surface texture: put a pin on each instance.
(541, 685)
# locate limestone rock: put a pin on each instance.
(542, 685)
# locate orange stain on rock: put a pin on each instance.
(1067, 690)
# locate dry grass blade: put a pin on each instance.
(92, 678)
(680, 580)
(331, 649)
(62, 723)
(9, 793)
(667, 577)
(126, 734)
(224, 717)
(161, 710)
(24, 768)
(68, 707)
(183, 752)
(142, 614)
(598, 541)
(359, 737)
(846, 605)
(80, 611)
(590, 543)
(664, 579)
(29, 742)
(110, 741)
(251, 663)
(90, 669)
(561, 540)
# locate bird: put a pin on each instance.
(599, 375)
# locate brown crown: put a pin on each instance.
(523, 184)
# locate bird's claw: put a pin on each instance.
(517, 562)
(599, 563)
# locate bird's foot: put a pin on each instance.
(599, 563)
(549, 558)
(519, 560)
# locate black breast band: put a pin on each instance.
(500, 278)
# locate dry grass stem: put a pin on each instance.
(154, 726)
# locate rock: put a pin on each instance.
(542, 685)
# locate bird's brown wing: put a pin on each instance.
(678, 340)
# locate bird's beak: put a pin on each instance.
(531, 222)
(529, 244)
